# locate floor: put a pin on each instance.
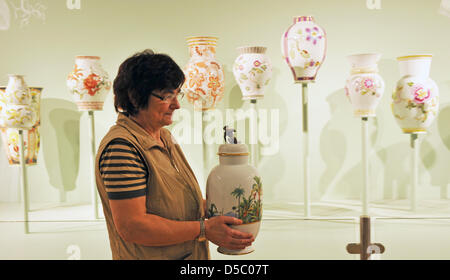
(70, 232)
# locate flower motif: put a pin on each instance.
(214, 83)
(91, 83)
(421, 94)
(196, 78)
(257, 63)
(241, 67)
(368, 83)
(313, 34)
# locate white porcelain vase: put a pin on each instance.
(364, 87)
(234, 188)
(17, 110)
(415, 101)
(205, 84)
(252, 70)
(88, 83)
(303, 47)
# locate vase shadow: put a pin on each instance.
(61, 143)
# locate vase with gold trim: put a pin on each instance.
(234, 188)
(205, 84)
(415, 101)
(364, 87)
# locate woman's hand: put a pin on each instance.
(218, 232)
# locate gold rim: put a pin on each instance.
(407, 57)
(87, 57)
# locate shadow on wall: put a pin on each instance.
(61, 143)
(336, 146)
(438, 163)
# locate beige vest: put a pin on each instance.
(172, 192)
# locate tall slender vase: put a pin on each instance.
(252, 70)
(10, 136)
(415, 101)
(88, 83)
(205, 83)
(365, 86)
(304, 47)
(234, 188)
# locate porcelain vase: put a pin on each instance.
(10, 136)
(303, 47)
(234, 188)
(17, 110)
(252, 70)
(364, 87)
(415, 101)
(88, 83)
(204, 85)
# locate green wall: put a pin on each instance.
(44, 51)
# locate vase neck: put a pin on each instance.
(303, 18)
(233, 160)
(202, 50)
(364, 70)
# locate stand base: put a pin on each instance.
(245, 251)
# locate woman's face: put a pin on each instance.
(159, 112)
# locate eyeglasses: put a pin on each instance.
(169, 97)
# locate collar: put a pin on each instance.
(141, 135)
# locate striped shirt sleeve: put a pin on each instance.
(123, 170)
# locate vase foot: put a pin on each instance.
(245, 251)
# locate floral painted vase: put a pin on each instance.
(204, 85)
(10, 137)
(415, 101)
(234, 188)
(252, 70)
(17, 91)
(365, 86)
(304, 46)
(88, 83)
(17, 110)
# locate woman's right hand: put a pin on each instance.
(218, 232)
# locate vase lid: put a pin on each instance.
(233, 150)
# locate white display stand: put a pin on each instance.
(415, 171)
(24, 183)
(306, 161)
(94, 196)
(254, 131)
(365, 164)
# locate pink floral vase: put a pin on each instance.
(303, 47)
(415, 101)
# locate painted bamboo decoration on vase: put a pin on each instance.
(234, 188)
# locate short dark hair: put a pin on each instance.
(141, 74)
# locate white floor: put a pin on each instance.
(70, 232)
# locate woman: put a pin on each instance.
(152, 203)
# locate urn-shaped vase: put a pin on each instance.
(303, 47)
(234, 188)
(88, 83)
(17, 110)
(204, 85)
(252, 70)
(415, 101)
(364, 87)
(10, 136)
